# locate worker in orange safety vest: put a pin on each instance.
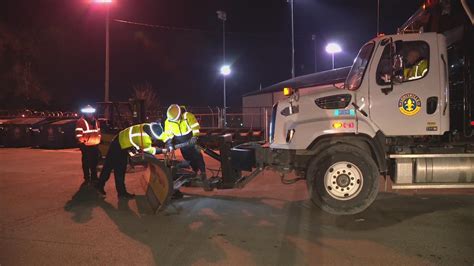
(88, 136)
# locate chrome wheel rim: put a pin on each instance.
(343, 180)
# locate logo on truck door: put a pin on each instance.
(409, 104)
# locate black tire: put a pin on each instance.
(362, 194)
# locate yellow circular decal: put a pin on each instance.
(409, 104)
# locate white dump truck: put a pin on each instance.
(405, 112)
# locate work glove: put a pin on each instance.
(132, 151)
(169, 146)
(193, 140)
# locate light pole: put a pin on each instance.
(225, 69)
(378, 17)
(292, 38)
(107, 41)
(333, 48)
(313, 37)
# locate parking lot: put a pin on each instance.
(48, 217)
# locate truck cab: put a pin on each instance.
(370, 102)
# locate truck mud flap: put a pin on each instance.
(158, 184)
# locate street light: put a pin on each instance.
(107, 22)
(225, 69)
(333, 48)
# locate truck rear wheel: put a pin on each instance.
(343, 180)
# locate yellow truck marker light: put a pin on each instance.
(337, 125)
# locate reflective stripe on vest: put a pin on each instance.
(177, 131)
(88, 130)
(135, 137)
(413, 72)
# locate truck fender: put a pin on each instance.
(373, 145)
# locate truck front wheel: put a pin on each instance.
(343, 180)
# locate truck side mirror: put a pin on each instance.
(398, 67)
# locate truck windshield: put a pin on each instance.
(354, 79)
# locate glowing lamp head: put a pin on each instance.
(225, 70)
(88, 110)
(333, 48)
(102, 1)
(287, 91)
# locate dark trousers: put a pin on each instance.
(90, 159)
(116, 160)
(194, 156)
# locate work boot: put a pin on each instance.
(100, 189)
(126, 195)
(177, 195)
(94, 180)
(205, 183)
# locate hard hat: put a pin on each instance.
(88, 110)
(173, 113)
(156, 130)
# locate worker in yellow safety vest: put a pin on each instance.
(180, 127)
(130, 140)
(417, 66)
(88, 136)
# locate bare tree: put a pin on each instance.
(19, 76)
(146, 93)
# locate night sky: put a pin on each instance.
(183, 65)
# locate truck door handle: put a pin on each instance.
(431, 105)
(446, 84)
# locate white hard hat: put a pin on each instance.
(173, 113)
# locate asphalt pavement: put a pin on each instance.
(49, 217)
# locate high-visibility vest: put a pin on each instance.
(135, 136)
(417, 71)
(86, 133)
(186, 125)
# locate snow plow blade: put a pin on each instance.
(158, 183)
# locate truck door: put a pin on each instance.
(413, 106)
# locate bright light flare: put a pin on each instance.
(102, 1)
(225, 70)
(88, 110)
(333, 48)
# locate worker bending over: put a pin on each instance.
(130, 140)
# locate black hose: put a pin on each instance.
(212, 153)
(290, 181)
